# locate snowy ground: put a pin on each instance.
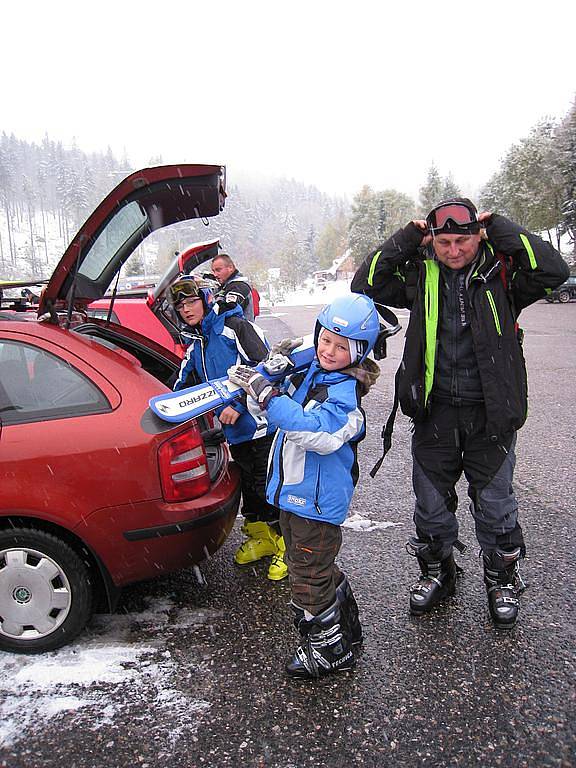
(309, 294)
(119, 669)
(123, 654)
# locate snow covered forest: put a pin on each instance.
(47, 191)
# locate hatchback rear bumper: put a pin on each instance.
(145, 539)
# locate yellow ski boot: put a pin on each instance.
(260, 543)
(278, 569)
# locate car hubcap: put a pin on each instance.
(35, 595)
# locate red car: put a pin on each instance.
(96, 492)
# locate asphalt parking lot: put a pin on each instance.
(189, 671)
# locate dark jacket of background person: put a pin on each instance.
(237, 290)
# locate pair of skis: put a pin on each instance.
(194, 401)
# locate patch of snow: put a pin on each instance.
(359, 523)
(95, 680)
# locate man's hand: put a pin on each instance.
(253, 383)
(484, 219)
(422, 225)
(228, 416)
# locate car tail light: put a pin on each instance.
(183, 466)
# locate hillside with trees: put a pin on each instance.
(536, 183)
(47, 190)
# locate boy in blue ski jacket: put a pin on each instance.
(312, 474)
(219, 336)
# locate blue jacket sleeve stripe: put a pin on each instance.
(322, 430)
(326, 442)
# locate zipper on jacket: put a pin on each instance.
(494, 313)
(431, 315)
(317, 493)
(454, 291)
(202, 358)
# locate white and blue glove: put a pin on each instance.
(253, 383)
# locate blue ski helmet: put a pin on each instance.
(354, 317)
(186, 287)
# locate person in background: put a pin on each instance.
(218, 336)
(466, 278)
(234, 287)
(313, 471)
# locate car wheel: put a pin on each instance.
(563, 296)
(45, 591)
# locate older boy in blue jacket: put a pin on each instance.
(219, 336)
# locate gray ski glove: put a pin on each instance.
(253, 383)
(285, 346)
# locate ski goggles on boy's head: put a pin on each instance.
(183, 289)
(453, 218)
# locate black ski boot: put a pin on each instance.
(326, 645)
(349, 606)
(503, 585)
(438, 579)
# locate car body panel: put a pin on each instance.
(134, 313)
(137, 535)
(111, 447)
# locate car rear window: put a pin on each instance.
(36, 385)
(102, 314)
(125, 224)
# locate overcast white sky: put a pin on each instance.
(332, 93)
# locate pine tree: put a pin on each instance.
(7, 183)
(567, 162)
(449, 188)
(399, 209)
(29, 196)
(363, 231)
(528, 188)
(432, 192)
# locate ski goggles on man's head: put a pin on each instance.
(183, 289)
(453, 218)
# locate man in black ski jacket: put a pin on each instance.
(465, 277)
(234, 288)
